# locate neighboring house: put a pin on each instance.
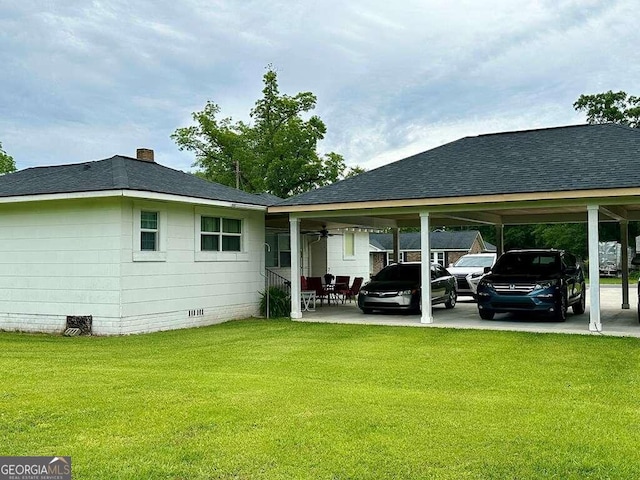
(136, 246)
(446, 247)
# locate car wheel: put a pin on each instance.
(453, 296)
(578, 308)
(638, 311)
(486, 314)
(561, 308)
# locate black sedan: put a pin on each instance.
(397, 287)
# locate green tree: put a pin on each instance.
(275, 153)
(616, 107)
(7, 164)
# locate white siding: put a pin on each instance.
(57, 259)
(339, 264)
(159, 295)
(76, 257)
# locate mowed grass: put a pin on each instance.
(280, 399)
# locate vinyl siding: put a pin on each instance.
(57, 259)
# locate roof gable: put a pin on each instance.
(120, 173)
(580, 158)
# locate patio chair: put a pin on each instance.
(355, 288)
(315, 283)
(342, 287)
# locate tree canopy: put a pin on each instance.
(276, 152)
(615, 107)
(7, 164)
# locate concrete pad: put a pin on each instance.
(615, 321)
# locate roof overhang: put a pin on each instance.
(142, 195)
(505, 209)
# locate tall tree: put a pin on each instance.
(7, 164)
(275, 153)
(616, 107)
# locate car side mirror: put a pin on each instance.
(635, 260)
(451, 264)
(571, 270)
(486, 269)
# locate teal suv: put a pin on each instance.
(545, 281)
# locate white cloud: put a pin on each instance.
(85, 80)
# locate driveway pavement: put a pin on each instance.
(615, 321)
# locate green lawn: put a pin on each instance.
(280, 399)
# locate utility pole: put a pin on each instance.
(237, 175)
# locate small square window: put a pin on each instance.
(148, 241)
(231, 225)
(209, 224)
(209, 243)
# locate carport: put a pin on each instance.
(583, 173)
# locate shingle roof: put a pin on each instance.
(120, 173)
(579, 157)
(454, 240)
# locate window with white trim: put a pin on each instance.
(148, 231)
(349, 244)
(437, 257)
(219, 234)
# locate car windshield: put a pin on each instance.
(469, 261)
(527, 263)
(399, 272)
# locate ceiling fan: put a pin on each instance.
(322, 233)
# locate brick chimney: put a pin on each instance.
(145, 154)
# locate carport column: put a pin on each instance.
(499, 239)
(294, 232)
(396, 244)
(624, 236)
(594, 270)
(425, 255)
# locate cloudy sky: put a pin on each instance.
(85, 80)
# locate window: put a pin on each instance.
(437, 257)
(220, 234)
(148, 231)
(403, 257)
(349, 245)
(149, 235)
(278, 254)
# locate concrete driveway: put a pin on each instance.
(615, 321)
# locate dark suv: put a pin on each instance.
(533, 281)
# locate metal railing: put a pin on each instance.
(276, 280)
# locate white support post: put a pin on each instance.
(294, 232)
(624, 236)
(499, 239)
(594, 270)
(396, 244)
(425, 255)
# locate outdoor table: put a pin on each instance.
(308, 299)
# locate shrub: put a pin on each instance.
(279, 303)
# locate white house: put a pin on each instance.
(132, 245)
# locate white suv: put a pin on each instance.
(473, 265)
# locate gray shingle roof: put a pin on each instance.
(579, 157)
(120, 173)
(454, 240)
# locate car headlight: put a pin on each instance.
(477, 274)
(485, 283)
(543, 285)
(405, 292)
(364, 292)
